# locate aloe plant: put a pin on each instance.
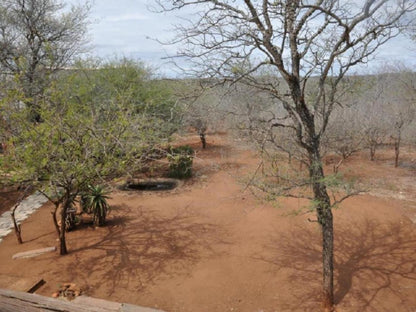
(95, 202)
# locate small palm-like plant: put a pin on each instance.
(95, 203)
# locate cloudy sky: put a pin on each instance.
(125, 28)
(129, 28)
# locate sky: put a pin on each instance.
(129, 28)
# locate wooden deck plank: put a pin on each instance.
(15, 301)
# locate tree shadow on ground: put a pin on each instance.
(373, 261)
(134, 251)
(38, 237)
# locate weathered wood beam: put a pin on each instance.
(15, 301)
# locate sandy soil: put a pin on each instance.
(8, 197)
(209, 245)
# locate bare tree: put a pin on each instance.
(344, 135)
(398, 102)
(37, 38)
(403, 110)
(400, 121)
(277, 47)
(386, 109)
(373, 114)
(250, 110)
(201, 108)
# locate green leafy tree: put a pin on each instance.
(92, 130)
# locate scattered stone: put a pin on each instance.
(68, 291)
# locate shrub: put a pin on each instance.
(180, 162)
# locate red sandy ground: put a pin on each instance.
(209, 245)
(8, 198)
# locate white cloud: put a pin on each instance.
(126, 17)
(124, 26)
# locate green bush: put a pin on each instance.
(180, 162)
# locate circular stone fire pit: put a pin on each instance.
(150, 185)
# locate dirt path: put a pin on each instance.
(209, 246)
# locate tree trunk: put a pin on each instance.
(17, 227)
(55, 220)
(337, 165)
(62, 240)
(203, 140)
(396, 152)
(99, 219)
(372, 152)
(325, 219)
(328, 259)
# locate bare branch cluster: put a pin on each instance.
(296, 40)
(38, 37)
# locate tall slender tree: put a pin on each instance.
(282, 47)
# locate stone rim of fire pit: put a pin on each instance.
(151, 185)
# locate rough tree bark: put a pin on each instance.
(67, 201)
(62, 240)
(55, 219)
(325, 220)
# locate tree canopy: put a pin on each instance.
(97, 123)
(37, 38)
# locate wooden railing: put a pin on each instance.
(15, 301)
